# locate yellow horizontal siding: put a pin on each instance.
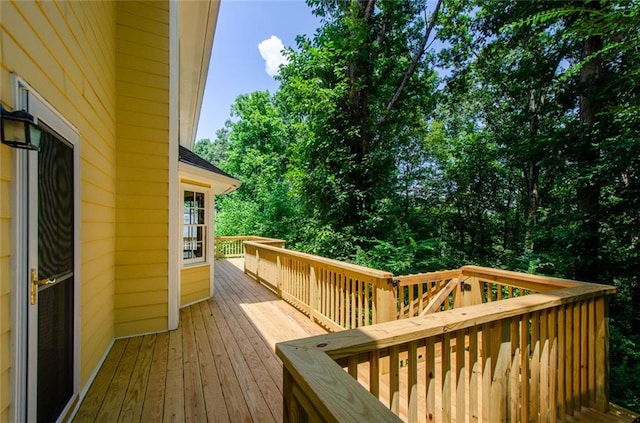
(142, 84)
(150, 325)
(194, 284)
(66, 52)
(5, 280)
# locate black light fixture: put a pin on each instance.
(18, 130)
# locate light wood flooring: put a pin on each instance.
(219, 366)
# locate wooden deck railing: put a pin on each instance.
(471, 344)
(540, 357)
(233, 246)
(335, 294)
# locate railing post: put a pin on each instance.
(386, 301)
(279, 276)
(258, 265)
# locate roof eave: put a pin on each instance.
(197, 23)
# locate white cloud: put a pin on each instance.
(271, 51)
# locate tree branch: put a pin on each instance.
(414, 62)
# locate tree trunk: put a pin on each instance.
(589, 186)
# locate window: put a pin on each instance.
(194, 229)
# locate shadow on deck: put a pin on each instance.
(219, 365)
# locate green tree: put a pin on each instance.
(362, 86)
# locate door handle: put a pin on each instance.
(35, 283)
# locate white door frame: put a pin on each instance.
(26, 212)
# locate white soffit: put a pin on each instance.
(197, 23)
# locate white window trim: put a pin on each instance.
(208, 239)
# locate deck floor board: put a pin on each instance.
(219, 365)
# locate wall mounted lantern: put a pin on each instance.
(18, 130)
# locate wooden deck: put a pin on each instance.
(219, 366)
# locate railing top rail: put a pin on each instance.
(515, 278)
(368, 338)
(248, 238)
(379, 274)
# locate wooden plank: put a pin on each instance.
(584, 354)
(153, 408)
(174, 395)
(234, 398)
(256, 403)
(96, 395)
(115, 396)
(134, 397)
(211, 387)
(194, 407)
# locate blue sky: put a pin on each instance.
(237, 65)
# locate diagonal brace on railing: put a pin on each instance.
(435, 302)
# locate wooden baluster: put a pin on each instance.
(475, 376)
(553, 365)
(514, 373)
(374, 373)
(568, 378)
(534, 386)
(412, 361)
(394, 380)
(584, 353)
(525, 346)
(602, 354)
(461, 371)
(353, 366)
(312, 292)
(576, 358)
(562, 329)
(430, 384)
(544, 366)
(446, 377)
(591, 334)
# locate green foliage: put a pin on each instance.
(521, 152)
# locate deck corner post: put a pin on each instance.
(386, 303)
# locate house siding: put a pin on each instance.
(194, 284)
(66, 52)
(142, 230)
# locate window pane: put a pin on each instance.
(199, 200)
(201, 216)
